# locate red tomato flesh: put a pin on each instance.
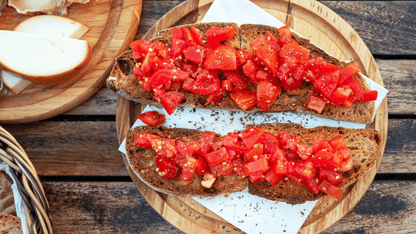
(152, 118)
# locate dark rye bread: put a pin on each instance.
(123, 82)
(363, 143)
(142, 161)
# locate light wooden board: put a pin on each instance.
(326, 29)
(113, 24)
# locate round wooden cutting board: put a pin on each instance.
(323, 27)
(113, 25)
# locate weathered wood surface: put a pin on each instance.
(117, 207)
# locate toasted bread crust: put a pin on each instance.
(364, 145)
(122, 81)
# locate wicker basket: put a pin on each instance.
(36, 206)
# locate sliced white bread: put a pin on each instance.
(46, 25)
(42, 59)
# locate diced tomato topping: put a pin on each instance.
(177, 33)
(171, 100)
(256, 177)
(152, 118)
(357, 88)
(251, 136)
(346, 165)
(331, 190)
(321, 144)
(256, 166)
(196, 33)
(178, 46)
(316, 103)
(245, 99)
(222, 58)
(285, 36)
(187, 36)
(143, 139)
(194, 53)
(327, 83)
(266, 94)
(263, 51)
(242, 57)
(341, 94)
(273, 178)
(312, 185)
(369, 95)
(238, 81)
(162, 77)
(254, 153)
(166, 167)
(320, 158)
(217, 34)
(205, 142)
(338, 143)
(347, 73)
(217, 157)
(305, 170)
(330, 176)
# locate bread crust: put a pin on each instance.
(364, 145)
(123, 82)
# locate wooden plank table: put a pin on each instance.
(89, 188)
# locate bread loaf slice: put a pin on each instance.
(142, 161)
(364, 145)
(123, 82)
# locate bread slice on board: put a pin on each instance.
(142, 161)
(364, 145)
(10, 224)
(123, 82)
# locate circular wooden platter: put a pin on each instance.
(323, 27)
(113, 25)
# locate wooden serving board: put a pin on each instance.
(325, 28)
(113, 25)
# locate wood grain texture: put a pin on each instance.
(113, 24)
(117, 207)
(386, 27)
(71, 148)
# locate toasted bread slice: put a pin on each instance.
(364, 145)
(122, 81)
(142, 161)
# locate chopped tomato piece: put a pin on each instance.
(296, 179)
(140, 48)
(346, 153)
(305, 170)
(311, 185)
(338, 142)
(230, 139)
(280, 167)
(188, 170)
(187, 36)
(291, 83)
(152, 118)
(341, 94)
(256, 166)
(217, 34)
(327, 83)
(245, 99)
(285, 36)
(273, 178)
(251, 136)
(321, 158)
(256, 177)
(226, 85)
(143, 140)
(288, 144)
(161, 78)
(269, 141)
(216, 157)
(348, 103)
(196, 33)
(300, 53)
(242, 57)
(194, 53)
(348, 72)
(171, 100)
(206, 83)
(205, 142)
(239, 148)
(222, 58)
(262, 75)
(254, 153)
(277, 155)
(331, 190)
(330, 176)
(346, 165)
(267, 94)
(370, 95)
(148, 61)
(250, 70)
(321, 144)
(214, 98)
(224, 168)
(177, 33)
(164, 147)
(166, 167)
(201, 165)
(238, 81)
(305, 151)
(263, 51)
(357, 88)
(177, 48)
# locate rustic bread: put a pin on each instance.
(6, 195)
(10, 224)
(123, 82)
(142, 161)
(363, 143)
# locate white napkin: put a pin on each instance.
(18, 200)
(249, 213)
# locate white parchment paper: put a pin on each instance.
(18, 202)
(249, 213)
